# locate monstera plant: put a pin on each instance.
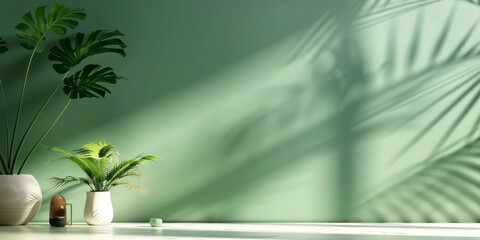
(68, 54)
(89, 82)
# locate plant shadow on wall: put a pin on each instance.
(348, 100)
(446, 92)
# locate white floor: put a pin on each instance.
(217, 231)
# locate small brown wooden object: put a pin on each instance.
(58, 208)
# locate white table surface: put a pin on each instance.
(217, 231)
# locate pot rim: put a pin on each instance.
(17, 175)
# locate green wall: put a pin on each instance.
(246, 103)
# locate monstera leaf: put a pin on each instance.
(86, 82)
(70, 54)
(2, 47)
(31, 33)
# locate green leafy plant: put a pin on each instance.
(84, 83)
(100, 163)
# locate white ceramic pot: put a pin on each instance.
(20, 199)
(98, 208)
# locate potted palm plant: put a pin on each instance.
(20, 194)
(103, 170)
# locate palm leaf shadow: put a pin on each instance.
(317, 37)
(259, 165)
(473, 1)
(365, 13)
(273, 143)
(453, 72)
(442, 190)
(416, 84)
(379, 11)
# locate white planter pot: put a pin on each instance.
(20, 199)
(98, 208)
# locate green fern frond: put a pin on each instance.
(130, 186)
(97, 150)
(69, 181)
(93, 171)
(99, 161)
(126, 166)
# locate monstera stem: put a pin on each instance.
(10, 159)
(43, 136)
(35, 119)
(4, 164)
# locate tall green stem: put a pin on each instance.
(34, 120)
(10, 162)
(7, 138)
(43, 136)
(4, 165)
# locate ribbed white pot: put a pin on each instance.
(20, 199)
(98, 208)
